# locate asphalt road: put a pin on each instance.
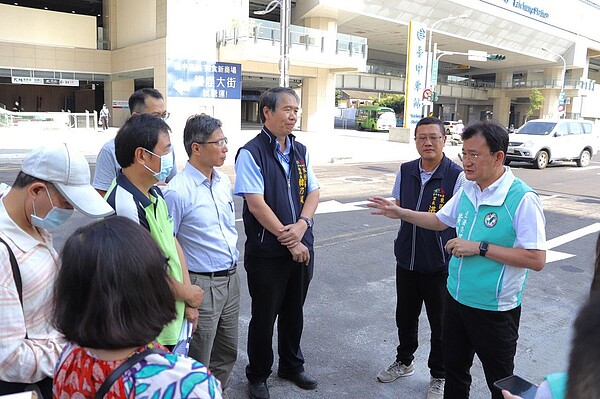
(350, 329)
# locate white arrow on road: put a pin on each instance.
(553, 256)
(334, 206)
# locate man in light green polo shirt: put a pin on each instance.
(142, 147)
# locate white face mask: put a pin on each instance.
(53, 219)
(166, 165)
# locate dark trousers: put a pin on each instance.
(412, 290)
(489, 334)
(278, 288)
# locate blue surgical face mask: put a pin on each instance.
(166, 165)
(53, 219)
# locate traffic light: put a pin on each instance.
(496, 57)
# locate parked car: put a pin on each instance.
(451, 127)
(454, 131)
(541, 141)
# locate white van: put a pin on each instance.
(541, 141)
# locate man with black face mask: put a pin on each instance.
(53, 180)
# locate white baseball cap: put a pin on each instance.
(69, 172)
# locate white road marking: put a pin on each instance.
(572, 236)
(583, 169)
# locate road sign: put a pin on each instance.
(474, 55)
(434, 72)
(427, 94)
(561, 108)
(562, 99)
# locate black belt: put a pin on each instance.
(222, 273)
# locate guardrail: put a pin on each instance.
(300, 36)
(49, 120)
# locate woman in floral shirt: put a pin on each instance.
(112, 299)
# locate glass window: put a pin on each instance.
(574, 128)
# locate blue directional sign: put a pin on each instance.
(562, 98)
(204, 79)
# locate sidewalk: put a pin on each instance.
(327, 147)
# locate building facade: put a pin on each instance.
(216, 57)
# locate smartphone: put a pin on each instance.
(517, 386)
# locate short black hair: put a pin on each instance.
(140, 130)
(584, 360)
(270, 99)
(137, 101)
(430, 120)
(198, 129)
(495, 135)
(23, 180)
(112, 290)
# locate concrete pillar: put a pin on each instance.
(501, 110)
(119, 90)
(504, 79)
(328, 25)
(550, 106)
(318, 101)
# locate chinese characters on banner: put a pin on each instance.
(204, 79)
(416, 67)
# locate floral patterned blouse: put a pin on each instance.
(78, 375)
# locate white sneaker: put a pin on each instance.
(395, 371)
(436, 388)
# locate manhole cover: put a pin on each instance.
(572, 269)
(358, 179)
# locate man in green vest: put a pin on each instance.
(500, 228)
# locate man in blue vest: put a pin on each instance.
(500, 228)
(281, 194)
(425, 184)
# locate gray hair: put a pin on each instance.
(198, 129)
(270, 99)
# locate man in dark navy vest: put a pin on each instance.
(424, 184)
(281, 194)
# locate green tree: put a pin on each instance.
(536, 99)
(393, 101)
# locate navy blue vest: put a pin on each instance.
(285, 199)
(420, 249)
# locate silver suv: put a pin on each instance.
(542, 141)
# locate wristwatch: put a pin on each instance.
(309, 221)
(483, 248)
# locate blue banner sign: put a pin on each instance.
(204, 79)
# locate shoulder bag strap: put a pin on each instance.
(123, 367)
(15, 270)
(16, 276)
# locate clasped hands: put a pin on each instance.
(291, 235)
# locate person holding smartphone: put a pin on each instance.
(584, 362)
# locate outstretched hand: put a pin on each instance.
(384, 207)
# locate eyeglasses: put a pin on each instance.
(219, 143)
(463, 156)
(164, 116)
(433, 139)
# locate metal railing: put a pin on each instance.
(49, 120)
(263, 30)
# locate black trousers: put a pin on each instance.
(412, 290)
(489, 334)
(278, 288)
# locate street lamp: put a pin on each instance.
(564, 77)
(284, 48)
(430, 56)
